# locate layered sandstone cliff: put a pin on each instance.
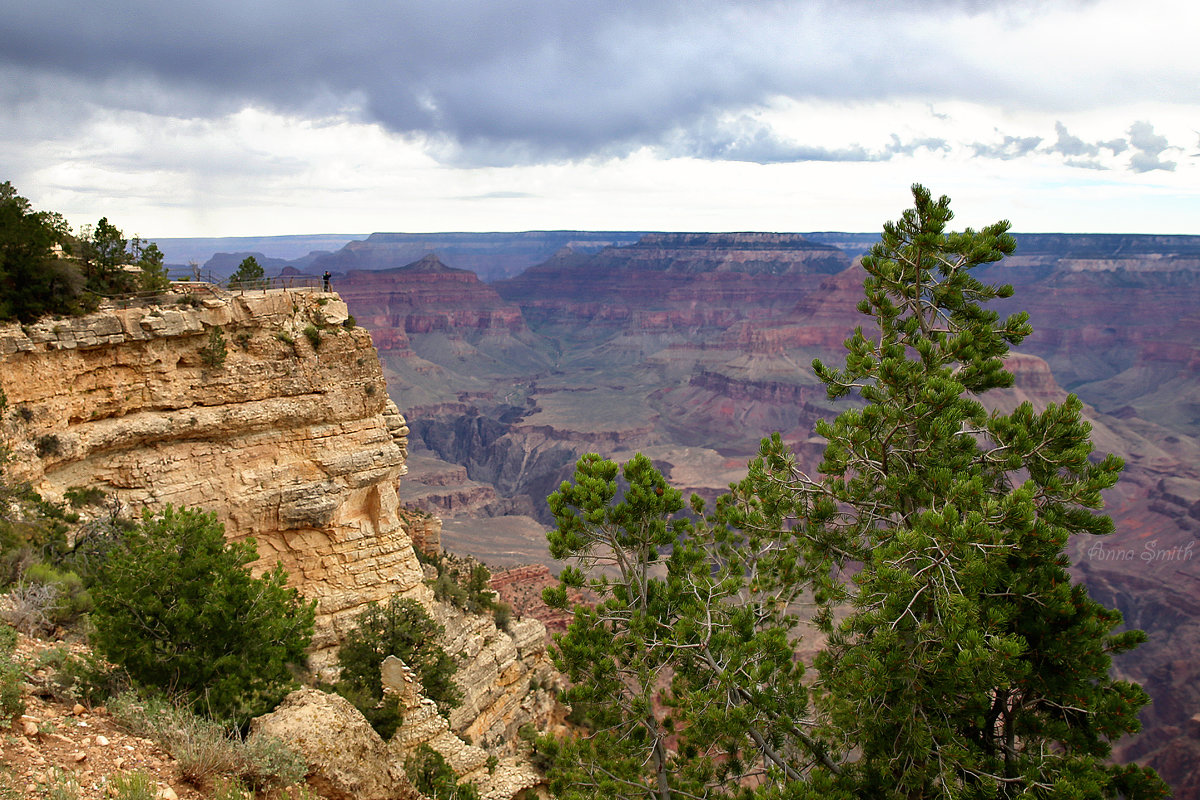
(289, 439)
(267, 409)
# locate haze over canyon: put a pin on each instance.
(512, 354)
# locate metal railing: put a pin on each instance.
(191, 283)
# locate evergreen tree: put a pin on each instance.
(103, 254)
(971, 666)
(401, 628)
(249, 272)
(177, 607)
(968, 664)
(33, 279)
(149, 259)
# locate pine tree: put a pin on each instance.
(971, 666)
(177, 607)
(249, 274)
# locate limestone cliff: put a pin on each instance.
(289, 437)
(267, 409)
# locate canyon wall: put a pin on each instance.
(290, 440)
(269, 410)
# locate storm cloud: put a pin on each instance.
(533, 81)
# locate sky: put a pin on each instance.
(271, 117)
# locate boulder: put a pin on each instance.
(346, 758)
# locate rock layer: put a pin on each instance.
(289, 436)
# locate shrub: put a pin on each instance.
(86, 678)
(205, 750)
(12, 702)
(213, 354)
(69, 600)
(401, 628)
(177, 607)
(502, 614)
(350, 322)
(433, 777)
(267, 763)
(80, 496)
(47, 445)
(285, 337)
(30, 608)
(313, 334)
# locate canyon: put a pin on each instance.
(438, 397)
(691, 347)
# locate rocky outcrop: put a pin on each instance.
(346, 758)
(259, 406)
(265, 409)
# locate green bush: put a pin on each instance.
(177, 607)
(12, 703)
(47, 445)
(214, 353)
(433, 777)
(401, 628)
(72, 600)
(80, 496)
(313, 334)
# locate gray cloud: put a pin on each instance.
(1148, 146)
(1008, 148)
(522, 81)
(1070, 145)
(747, 139)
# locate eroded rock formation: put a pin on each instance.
(266, 409)
(288, 436)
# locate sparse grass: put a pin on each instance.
(62, 786)
(231, 790)
(285, 337)
(133, 786)
(206, 751)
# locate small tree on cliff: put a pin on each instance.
(248, 272)
(969, 665)
(177, 607)
(402, 628)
